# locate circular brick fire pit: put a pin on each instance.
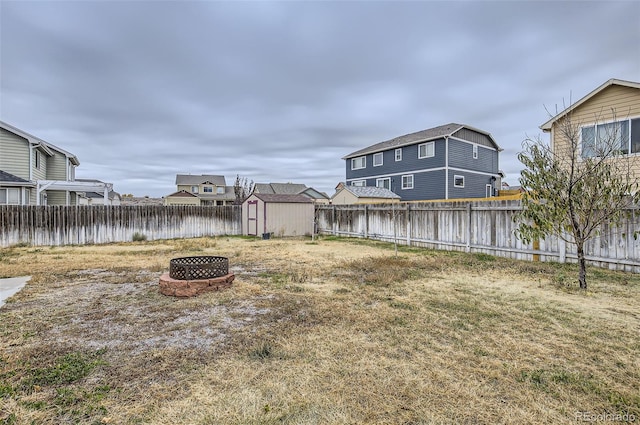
(191, 276)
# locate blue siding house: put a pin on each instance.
(446, 162)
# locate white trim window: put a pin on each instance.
(359, 163)
(195, 189)
(38, 158)
(378, 159)
(359, 183)
(488, 191)
(384, 183)
(458, 181)
(621, 137)
(10, 196)
(220, 190)
(475, 151)
(407, 181)
(399, 154)
(426, 150)
(207, 189)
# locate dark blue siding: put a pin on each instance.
(410, 162)
(461, 156)
(474, 185)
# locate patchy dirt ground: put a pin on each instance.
(332, 331)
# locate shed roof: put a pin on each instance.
(182, 194)
(371, 192)
(547, 125)
(283, 198)
(419, 136)
(280, 188)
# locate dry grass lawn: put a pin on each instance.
(335, 331)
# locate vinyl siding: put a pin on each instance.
(614, 102)
(474, 185)
(14, 154)
(410, 162)
(461, 156)
(57, 167)
(473, 136)
(56, 197)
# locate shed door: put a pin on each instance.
(252, 218)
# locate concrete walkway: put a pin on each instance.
(10, 286)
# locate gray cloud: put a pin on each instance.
(280, 91)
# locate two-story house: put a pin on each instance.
(446, 162)
(611, 110)
(36, 172)
(201, 190)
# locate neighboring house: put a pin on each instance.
(446, 162)
(48, 170)
(208, 189)
(281, 215)
(612, 108)
(347, 195)
(291, 189)
(95, 198)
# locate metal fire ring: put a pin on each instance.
(199, 267)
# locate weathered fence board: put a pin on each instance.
(486, 227)
(63, 225)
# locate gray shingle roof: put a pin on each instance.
(409, 139)
(8, 177)
(280, 188)
(194, 179)
(371, 192)
(283, 198)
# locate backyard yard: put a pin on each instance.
(332, 331)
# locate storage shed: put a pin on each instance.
(266, 214)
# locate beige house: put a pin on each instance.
(611, 109)
(38, 173)
(206, 190)
(349, 195)
(280, 215)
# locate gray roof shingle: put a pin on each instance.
(283, 198)
(8, 177)
(371, 192)
(409, 139)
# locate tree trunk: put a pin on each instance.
(583, 267)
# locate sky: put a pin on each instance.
(271, 91)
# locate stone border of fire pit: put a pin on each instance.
(191, 288)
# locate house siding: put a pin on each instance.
(461, 156)
(614, 102)
(474, 184)
(410, 163)
(57, 166)
(14, 154)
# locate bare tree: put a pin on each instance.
(572, 190)
(242, 188)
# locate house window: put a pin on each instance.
(385, 183)
(458, 181)
(359, 183)
(399, 154)
(220, 190)
(475, 151)
(37, 159)
(194, 189)
(359, 163)
(426, 150)
(621, 137)
(207, 189)
(407, 181)
(377, 159)
(10, 196)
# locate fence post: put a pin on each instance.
(333, 220)
(468, 249)
(408, 224)
(366, 221)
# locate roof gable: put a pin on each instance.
(434, 133)
(46, 147)
(189, 179)
(283, 198)
(631, 84)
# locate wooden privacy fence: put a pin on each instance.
(483, 226)
(63, 225)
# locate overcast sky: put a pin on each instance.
(141, 91)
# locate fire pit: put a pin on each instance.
(191, 276)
